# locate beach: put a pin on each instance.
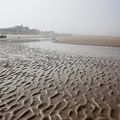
(41, 84)
(111, 41)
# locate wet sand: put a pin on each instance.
(110, 41)
(38, 84)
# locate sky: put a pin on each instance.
(84, 17)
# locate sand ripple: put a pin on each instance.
(37, 84)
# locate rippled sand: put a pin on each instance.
(37, 84)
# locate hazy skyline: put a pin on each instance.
(85, 17)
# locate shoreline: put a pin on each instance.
(109, 41)
(20, 40)
(84, 50)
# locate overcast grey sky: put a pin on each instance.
(92, 17)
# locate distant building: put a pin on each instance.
(19, 30)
